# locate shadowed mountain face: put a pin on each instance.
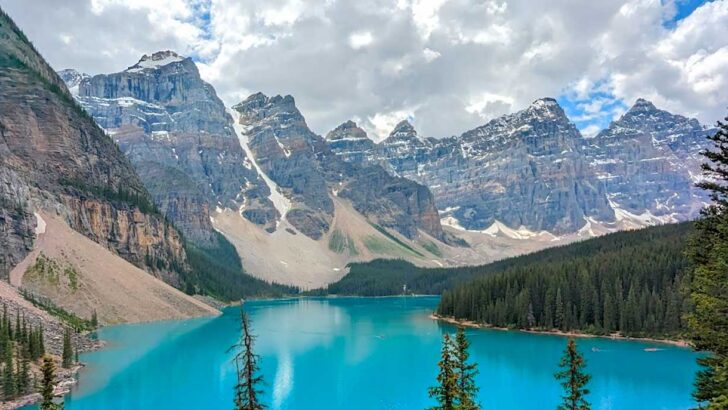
(179, 136)
(54, 157)
(533, 169)
(308, 172)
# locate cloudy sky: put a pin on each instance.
(447, 65)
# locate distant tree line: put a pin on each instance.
(631, 283)
(218, 272)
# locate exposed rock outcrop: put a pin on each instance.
(309, 173)
(178, 135)
(649, 161)
(533, 171)
(54, 157)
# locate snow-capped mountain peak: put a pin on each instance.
(156, 60)
(72, 78)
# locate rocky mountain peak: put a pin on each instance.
(73, 79)
(156, 60)
(404, 127)
(349, 131)
(260, 109)
(403, 132)
(546, 108)
(642, 105)
(645, 117)
(649, 160)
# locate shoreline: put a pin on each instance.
(66, 379)
(614, 336)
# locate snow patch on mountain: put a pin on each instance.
(156, 60)
(280, 201)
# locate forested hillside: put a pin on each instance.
(629, 282)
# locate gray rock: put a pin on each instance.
(649, 161)
(179, 136)
(309, 172)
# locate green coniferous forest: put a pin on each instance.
(627, 282)
(632, 283)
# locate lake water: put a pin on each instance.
(360, 353)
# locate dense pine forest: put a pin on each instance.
(218, 272)
(629, 282)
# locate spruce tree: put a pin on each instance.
(709, 253)
(446, 392)
(67, 350)
(23, 376)
(8, 374)
(466, 372)
(559, 319)
(573, 379)
(247, 391)
(41, 341)
(49, 384)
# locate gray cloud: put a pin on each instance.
(449, 65)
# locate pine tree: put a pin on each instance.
(446, 392)
(67, 350)
(559, 319)
(466, 372)
(8, 373)
(41, 341)
(49, 383)
(246, 362)
(94, 320)
(573, 379)
(23, 377)
(709, 254)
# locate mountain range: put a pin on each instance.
(533, 171)
(316, 203)
(149, 164)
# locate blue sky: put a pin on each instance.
(581, 108)
(447, 65)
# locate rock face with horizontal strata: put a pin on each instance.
(533, 168)
(309, 172)
(524, 169)
(179, 136)
(649, 161)
(53, 157)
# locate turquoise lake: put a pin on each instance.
(362, 353)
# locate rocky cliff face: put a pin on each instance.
(309, 173)
(350, 143)
(288, 152)
(73, 79)
(179, 136)
(533, 169)
(525, 170)
(649, 161)
(53, 157)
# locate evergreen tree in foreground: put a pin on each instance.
(573, 379)
(246, 363)
(709, 253)
(49, 382)
(447, 391)
(466, 372)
